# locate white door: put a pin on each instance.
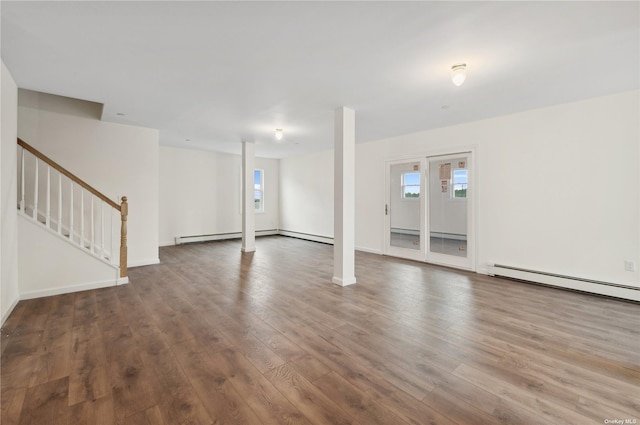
(449, 212)
(404, 209)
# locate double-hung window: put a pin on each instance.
(460, 181)
(410, 185)
(258, 190)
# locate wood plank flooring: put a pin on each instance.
(213, 336)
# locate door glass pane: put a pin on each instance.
(404, 208)
(448, 184)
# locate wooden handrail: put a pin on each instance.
(67, 173)
(123, 208)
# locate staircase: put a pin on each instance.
(66, 206)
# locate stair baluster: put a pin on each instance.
(97, 245)
(35, 194)
(59, 203)
(47, 219)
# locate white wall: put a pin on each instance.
(116, 159)
(9, 293)
(556, 188)
(306, 194)
(200, 193)
(51, 265)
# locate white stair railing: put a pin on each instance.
(63, 206)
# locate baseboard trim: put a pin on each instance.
(179, 240)
(67, 289)
(344, 282)
(369, 250)
(306, 236)
(288, 233)
(7, 313)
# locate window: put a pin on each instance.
(460, 180)
(410, 185)
(258, 190)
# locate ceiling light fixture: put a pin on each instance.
(458, 74)
(279, 134)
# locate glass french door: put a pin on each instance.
(449, 212)
(428, 210)
(404, 209)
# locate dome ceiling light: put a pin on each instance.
(458, 74)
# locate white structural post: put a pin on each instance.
(248, 202)
(343, 197)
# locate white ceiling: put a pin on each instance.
(219, 72)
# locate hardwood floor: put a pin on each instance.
(213, 336)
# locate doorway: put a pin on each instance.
(429, 209)
(404, 209)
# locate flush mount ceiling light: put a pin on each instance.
(458, 74)
(279, 134)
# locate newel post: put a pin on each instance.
(124, 211)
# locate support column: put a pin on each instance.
(344, 197)
(248, 206)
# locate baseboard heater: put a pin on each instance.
(221, 236)
(568, 282)
(307, 236)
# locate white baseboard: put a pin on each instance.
(7, 313)
(298, 235)
(344, 282)
(179, 240)
(122, 280)
(369, 250)
(67, 289)
(306, 236)
(483, 269)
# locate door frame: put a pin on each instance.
(467, 262)
(388, 249)
(422, 255)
